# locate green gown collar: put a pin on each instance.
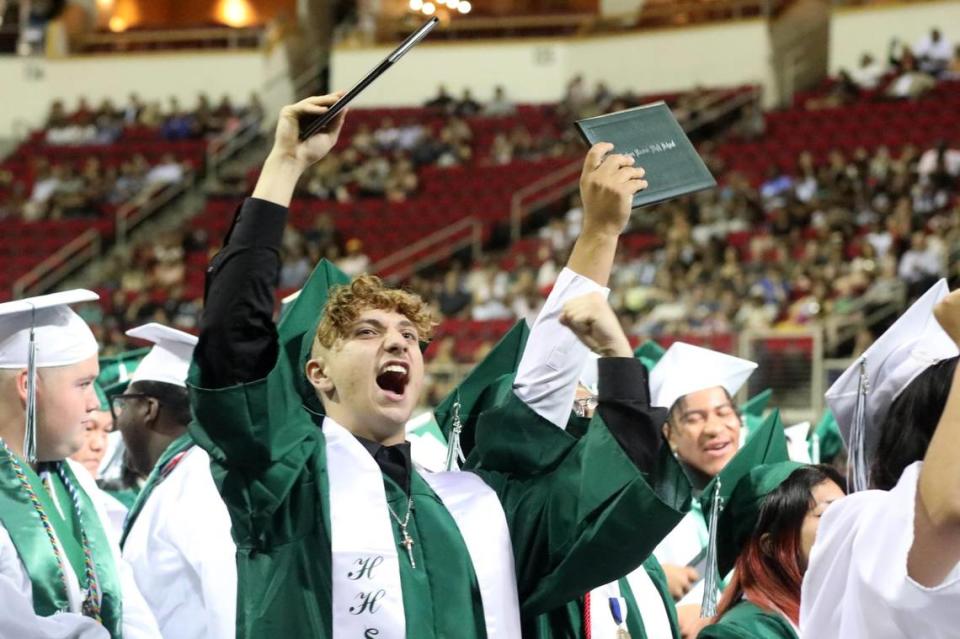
(33, 529)
(163, 467)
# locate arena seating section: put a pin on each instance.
(23, 245)
(449, 194)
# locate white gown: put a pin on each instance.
(656, 620)
(857, 587)
(116, 513)
(681, 546)
(17, 618)
(546, 380)
(182, 554)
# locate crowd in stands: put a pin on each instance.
(105, 123)
(909, 72)
(824, 240)
(61, 172)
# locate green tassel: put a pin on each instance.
(711, 581)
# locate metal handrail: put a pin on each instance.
(891, 307)
(721, 106)
(134, 212)
(308, 76)
(423, 243)
(663, 12)
(229, 143)
(65, 259)
(474, 239)
(519, 210)
(232, 36)
(392, 27)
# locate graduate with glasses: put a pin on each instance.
(176, 537)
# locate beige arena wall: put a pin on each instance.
(532, 70)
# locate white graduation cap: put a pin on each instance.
(62, 337)
(169, 360)
(42, 332)
(686, 369)
(862, 395)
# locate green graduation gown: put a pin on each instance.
(566, 522)
(748, 621)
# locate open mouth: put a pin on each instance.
(717, 449)
(393, 378)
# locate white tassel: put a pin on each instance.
(30, 425)
(454, 451)
(711, 581)
(858, 474)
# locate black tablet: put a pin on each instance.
(315, 124)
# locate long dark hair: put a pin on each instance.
(769, 571)
(906, 430)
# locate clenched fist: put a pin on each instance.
(595, 324)
(607, 186)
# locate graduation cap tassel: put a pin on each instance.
(454, 451)
(711, 581)
(857, 472)
(30, 426)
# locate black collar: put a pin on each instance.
(394, 461)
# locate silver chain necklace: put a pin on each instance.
(407, 541)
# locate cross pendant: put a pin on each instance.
(408, 544)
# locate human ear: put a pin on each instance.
(21, 381)
(766, 544)
(668, 435)
(317, 374)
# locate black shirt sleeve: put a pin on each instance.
(624, 405)
(238, 338)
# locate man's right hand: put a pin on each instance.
(290, 157)
(596, 325)
(607, 187)
(947, 312)
(287, 144)
(680, 579)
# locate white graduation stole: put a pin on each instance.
(366, 569)
(602, 623)
(367, 593)
(653, 612)
(479, 516)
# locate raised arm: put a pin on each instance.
(238, 341)
(237, 420)
(586, 510)
(553, 358)
(623, 389)
(936, 542)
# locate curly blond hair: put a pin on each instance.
(365, 292)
